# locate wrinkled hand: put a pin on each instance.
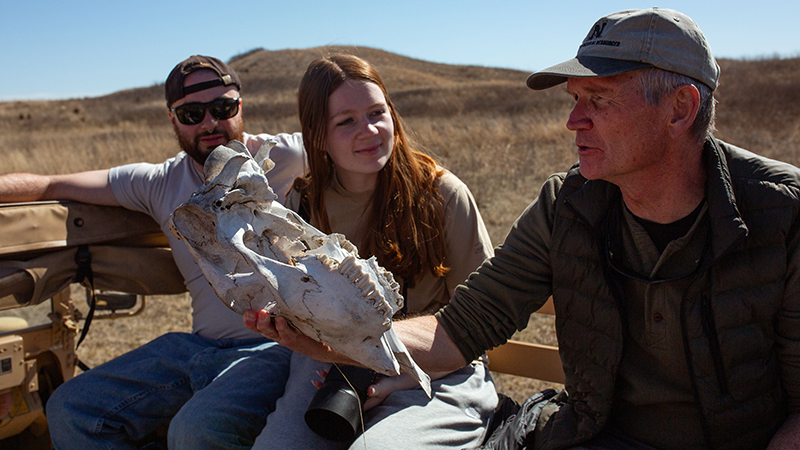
(278, 329)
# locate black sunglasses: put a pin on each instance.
(614, 260)
(220, 109)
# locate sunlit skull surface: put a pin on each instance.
(258, 254)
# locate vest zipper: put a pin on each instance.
(710, 330)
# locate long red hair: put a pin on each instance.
(406, 220)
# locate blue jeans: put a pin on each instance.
(217, 393)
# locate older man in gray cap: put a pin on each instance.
(673, 260)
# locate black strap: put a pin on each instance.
(84, 275)
(82, 365)
(303, 209)
(206, 85)
(404, 310)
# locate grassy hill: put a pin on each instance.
(482, 123)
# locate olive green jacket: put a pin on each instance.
(739, 316)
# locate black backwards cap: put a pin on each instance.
(174, 88)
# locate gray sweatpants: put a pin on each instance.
(454, 418)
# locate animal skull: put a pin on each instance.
(257, 254)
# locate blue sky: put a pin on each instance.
(67, 49)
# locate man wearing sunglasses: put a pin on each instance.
(193, 380)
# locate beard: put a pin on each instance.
(191, 143)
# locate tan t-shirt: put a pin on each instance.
(467, 240)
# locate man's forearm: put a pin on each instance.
(88, 187)
(429, 345)
(23, 187)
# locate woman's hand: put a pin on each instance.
(278, 329)
(323, 375)
(378, 392)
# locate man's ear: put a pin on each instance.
(685, 103)
(173, 120)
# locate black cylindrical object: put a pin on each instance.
(335, 410)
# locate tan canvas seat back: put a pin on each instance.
(39, 241)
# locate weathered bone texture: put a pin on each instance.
(258, 254)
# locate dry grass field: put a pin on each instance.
(482, 123)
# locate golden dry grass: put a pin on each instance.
(482, 123)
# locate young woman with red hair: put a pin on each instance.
(366, 181)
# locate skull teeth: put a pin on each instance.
(350, 268)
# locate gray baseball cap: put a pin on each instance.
(635, 39)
